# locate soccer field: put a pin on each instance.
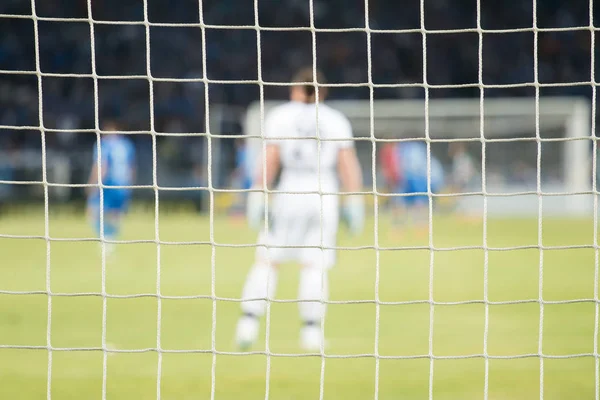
(404, 329)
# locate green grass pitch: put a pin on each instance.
(458, 330)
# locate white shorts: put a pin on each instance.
(299, 232)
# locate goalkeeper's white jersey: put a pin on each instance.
(306, 161)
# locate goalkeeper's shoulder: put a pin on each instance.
(333, 114)
(278, 118)
(282, 111)
(337, 121)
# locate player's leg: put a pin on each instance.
(313, 292)
(93, 212)
(419, 212)
(313, 288)
(399, 209)
(418, 203)
(107, 219)
(261, 283)
(460, 211)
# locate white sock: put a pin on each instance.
(313, 286)
(109, 248)
(260, 283)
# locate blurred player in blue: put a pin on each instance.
(117, 163)
(241, 176)
(405, 168)
(244, 164)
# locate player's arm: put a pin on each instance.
(351, 180)
(266, 171)
(93, 178)
(349, 170)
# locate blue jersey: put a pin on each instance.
(243, 165)
(412, 158)
(118, 160)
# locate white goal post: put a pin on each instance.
(511, 121)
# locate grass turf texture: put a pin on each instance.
(458, 330)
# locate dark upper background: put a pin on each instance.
(231, 54)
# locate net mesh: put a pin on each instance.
(377, 247)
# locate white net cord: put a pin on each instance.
(371, 119)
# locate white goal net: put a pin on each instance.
(494, 296)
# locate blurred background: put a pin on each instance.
(68, 99)
(515, 299)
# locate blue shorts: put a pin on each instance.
(246, 182)
(115, 200)
(410, 187)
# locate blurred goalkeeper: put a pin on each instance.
(303, 224)
(116, 164)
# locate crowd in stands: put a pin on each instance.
(63, 46)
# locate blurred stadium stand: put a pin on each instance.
(231, 54)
